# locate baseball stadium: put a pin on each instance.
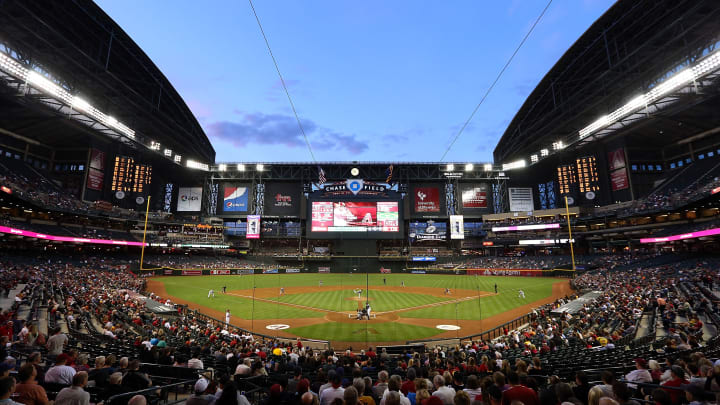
(579, 265)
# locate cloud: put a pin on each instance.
(282, 130)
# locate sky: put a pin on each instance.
(371, 81)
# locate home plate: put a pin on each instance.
(448, 327)
(277, 326)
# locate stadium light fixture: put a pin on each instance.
(469, 167)
(450, 167)
(45, 85)
(80, 105)
(488, 167)
(222, 167)
(544, 152)
(41, 82)
(514, 165)
(259, 167)
(558, 145)
(680, 79)
(197, 165)
(167, 152)
(534, 158)
(154, 145)
(241, 167)
(177, 158)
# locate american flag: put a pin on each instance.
(321, 175)
(389, 174)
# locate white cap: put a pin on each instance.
(201, 385)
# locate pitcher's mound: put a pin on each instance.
(359, 299)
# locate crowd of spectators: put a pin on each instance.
(521, 365)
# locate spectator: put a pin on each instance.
(60, 373)
(7, 388)
(28, 390)
(56, 342)
(328, 395)
(446, 394)
(518, 392)
(75, 395)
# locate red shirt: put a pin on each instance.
(407, 386)
(675, 395)
(520, 393)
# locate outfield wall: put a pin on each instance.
(166, 271)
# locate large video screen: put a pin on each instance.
(355, 216)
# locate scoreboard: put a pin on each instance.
(129, 176)
(581, 176)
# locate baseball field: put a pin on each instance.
(324, 306)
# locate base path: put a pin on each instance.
(467, 327)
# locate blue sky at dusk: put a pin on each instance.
(372, 80)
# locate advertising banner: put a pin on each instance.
(189, 199)
(427, 199)
(457, 229)
(521, 199)
(616, 159)
(236, 198)
(253, 227)
(427, 230)
(95, 179)
(418, 272)
(619, 179)
(270, 271)
(618, 170)
(192, 272)
(219, 272)
(97, 160)
(323, 269)
(474, 196)
(168, 272)
(282, 199)
(292, 270)
(424, 258)
(383, 270)
(506, 272)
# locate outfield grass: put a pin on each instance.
(336, 300)
(195, 289)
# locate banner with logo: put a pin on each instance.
(235, 198)
(521, 199)
(282, 199)
(219, 272)
(427, 200)
(292, 270)
(323, 269)
(383, 270)
(506, 272)
(253, 227)
(475, 199)
(418, 272)
(619, 179)
(270, 271)
(618, 170)
(457, 229)
(168, 272)
(427, 230)
(95, 179)
(189, 199)
(97, 159)
(192, 272)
